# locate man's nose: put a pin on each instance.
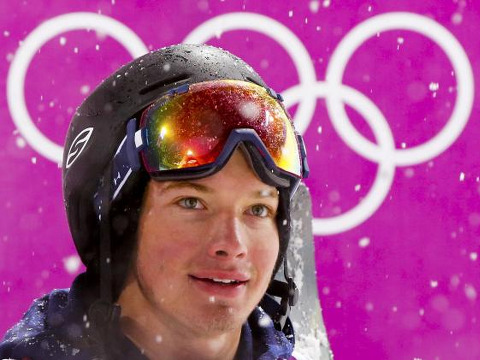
(228, 238)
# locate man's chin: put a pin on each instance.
(219, 319)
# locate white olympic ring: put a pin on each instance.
(335, 93)
(454, 52)
(26, 52)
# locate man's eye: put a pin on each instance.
(190, 203)
(259, 210)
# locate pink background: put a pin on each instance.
(402, 283)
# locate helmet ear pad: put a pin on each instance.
(124, 219)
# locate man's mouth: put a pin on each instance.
(221, 282)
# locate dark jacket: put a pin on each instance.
(58, 326)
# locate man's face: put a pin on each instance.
(206, 249)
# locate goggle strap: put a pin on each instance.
(127, 159)
(132, 149)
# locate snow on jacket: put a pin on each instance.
(57, 327)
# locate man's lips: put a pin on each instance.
(220, 283)
(221, 276)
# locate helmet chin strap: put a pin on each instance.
(288, 292)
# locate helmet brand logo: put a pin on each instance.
(78, 145)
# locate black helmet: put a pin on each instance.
(103, 230)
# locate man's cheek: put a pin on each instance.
(267, 252)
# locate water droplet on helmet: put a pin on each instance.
(108, 107)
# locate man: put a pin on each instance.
(178, 174)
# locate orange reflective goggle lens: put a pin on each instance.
(190, 127)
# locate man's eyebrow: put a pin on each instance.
(187, 184)
(259, 194)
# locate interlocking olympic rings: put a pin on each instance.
(305, 94)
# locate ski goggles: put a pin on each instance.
(192, 130)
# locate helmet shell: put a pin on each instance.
(99, 125)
